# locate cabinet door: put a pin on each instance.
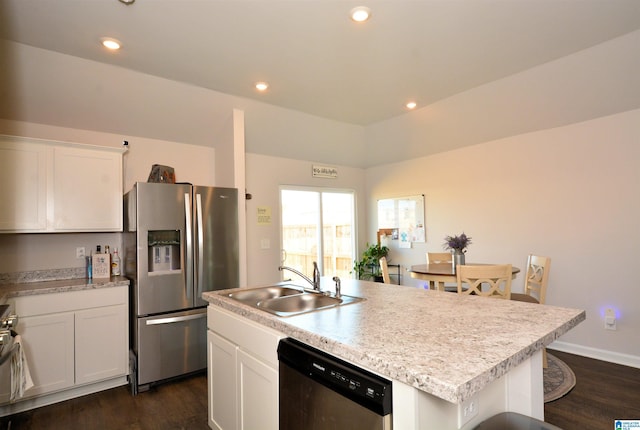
(258, 394)
(87, 190)
(23, 175)
(48, 344)
(222, 383)
(101, 343)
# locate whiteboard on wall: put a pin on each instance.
(406, 214)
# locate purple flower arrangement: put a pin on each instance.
(457, 243)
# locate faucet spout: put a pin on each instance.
(315, 282)
(338, 289)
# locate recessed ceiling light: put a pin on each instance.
(411, 105)
(360, 13)
(110, 43)
(262, 86)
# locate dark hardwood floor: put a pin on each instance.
(603, 392)
(176, 405)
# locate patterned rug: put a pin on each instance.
(558, 379)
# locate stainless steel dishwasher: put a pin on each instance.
(319, 391)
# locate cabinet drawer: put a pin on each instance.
(254, 338)
(42, 304)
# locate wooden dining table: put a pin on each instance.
(440, 273)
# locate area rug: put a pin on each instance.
(558, 379)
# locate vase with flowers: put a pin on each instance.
(458, 247)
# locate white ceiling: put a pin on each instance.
(315, 58)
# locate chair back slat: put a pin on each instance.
(385, 270)
(438, 257)
(486, 280)
(537, 277)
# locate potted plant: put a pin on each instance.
(458, 246)
(369, 265)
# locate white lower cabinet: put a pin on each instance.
(72, 340)
(49, 346)
(222, 390)
(243, 373)
(100, 336)
(257, 393)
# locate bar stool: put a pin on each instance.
(514, 421)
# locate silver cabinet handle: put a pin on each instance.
(172, 320)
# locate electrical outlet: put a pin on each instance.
(467, 410)
(80, 252)
(610, 319)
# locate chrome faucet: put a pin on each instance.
(338, 292)
(315, 282)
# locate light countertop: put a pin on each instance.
(444, 344)
(59, 286)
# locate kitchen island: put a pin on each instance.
(443, 352)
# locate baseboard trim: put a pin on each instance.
(598, 354)
(49, 399)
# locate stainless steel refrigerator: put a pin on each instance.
(180, 240)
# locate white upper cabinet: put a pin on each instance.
(59, 187)
(24, 186)
(87, 190)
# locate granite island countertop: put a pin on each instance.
(444, 344)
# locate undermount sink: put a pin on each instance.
(289, 300)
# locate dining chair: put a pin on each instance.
(385, 270)
(535, 284)
(536, 280)
(496, 276)
(438, 257)
(442, 258)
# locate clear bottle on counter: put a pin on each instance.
(115, 263)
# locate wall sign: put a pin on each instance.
(264, 215)
(324, 172)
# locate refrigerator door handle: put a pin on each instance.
(189, 245)
(200, 261)
(172, 320)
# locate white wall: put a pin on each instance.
(265, 174)
(570, 193)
